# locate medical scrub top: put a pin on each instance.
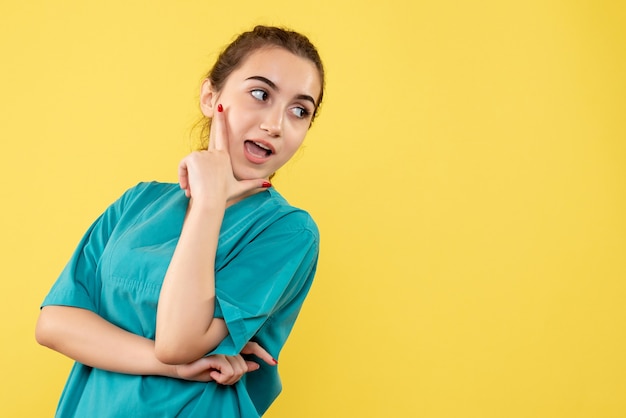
(265, 263)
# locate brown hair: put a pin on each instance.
(246, 43)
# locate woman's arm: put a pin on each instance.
(89, 339)
(185, 328)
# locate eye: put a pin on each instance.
(259, 94)
(300, 112)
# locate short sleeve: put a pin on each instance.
(268, 275)
(78, 284)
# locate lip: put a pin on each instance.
(265, 144)
(254, 158)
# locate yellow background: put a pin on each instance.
(467, 172)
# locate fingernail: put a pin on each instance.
(266, 184)
(220, 108)
(274, 360)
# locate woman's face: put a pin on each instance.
(268, 104)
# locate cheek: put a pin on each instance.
(291, 150)
(298, 138)
(238, 123)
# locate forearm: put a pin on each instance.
(187, 299)
(89, 339)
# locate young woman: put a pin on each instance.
(176, 302)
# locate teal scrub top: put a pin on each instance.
(265, 263)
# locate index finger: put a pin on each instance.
(218, 137)
(254, 348)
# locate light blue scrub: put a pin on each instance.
(265, 264)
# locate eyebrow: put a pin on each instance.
(275, 87)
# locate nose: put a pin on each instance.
(273, 122)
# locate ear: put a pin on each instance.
(208, 97)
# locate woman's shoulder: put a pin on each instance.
(269, 211)
(290, 216)
(157, 187)
(145, 194)
(149, 190)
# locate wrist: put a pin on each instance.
(167, 370)
(171, 370)
(207, 204)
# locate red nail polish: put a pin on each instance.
(266, 184)
(220, 108)
(275, 361)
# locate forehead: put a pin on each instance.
(290, 72)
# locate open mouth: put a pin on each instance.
(257, 149)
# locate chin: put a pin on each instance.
(251, 174)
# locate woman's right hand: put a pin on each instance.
(225, 370)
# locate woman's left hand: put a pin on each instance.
(208, 175)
